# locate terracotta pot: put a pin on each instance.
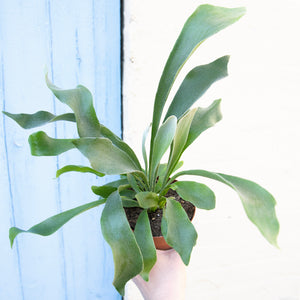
(160, 242)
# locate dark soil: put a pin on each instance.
(155, 217)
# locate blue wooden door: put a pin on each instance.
(79, 42)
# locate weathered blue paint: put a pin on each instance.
(79, 42)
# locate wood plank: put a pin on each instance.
(74, 39)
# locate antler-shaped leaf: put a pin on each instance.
(162, 142)
(144, 239)
(105, 190)
(203, 23)
(181, 135)
(196, 84)
(204, 118)
(178, 230)
(197, 193)
(81, 169)
(53, 223)
(258, 203)
(28, 121)
(144, 152)
(117, 232)
(104, 156)
(105, 132)
(43, 145)
(80, 100)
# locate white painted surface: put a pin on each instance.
(258, 139)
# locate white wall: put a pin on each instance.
(258, 138)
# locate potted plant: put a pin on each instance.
(156, 187)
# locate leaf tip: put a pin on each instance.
(227, 58)
(145, 276)
(273, 241)
(45, 70)
(121, 290)
(11, 242)
(243, 10)
(13, 232)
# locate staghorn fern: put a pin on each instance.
(146, 187)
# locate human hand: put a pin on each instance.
(167, 278)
